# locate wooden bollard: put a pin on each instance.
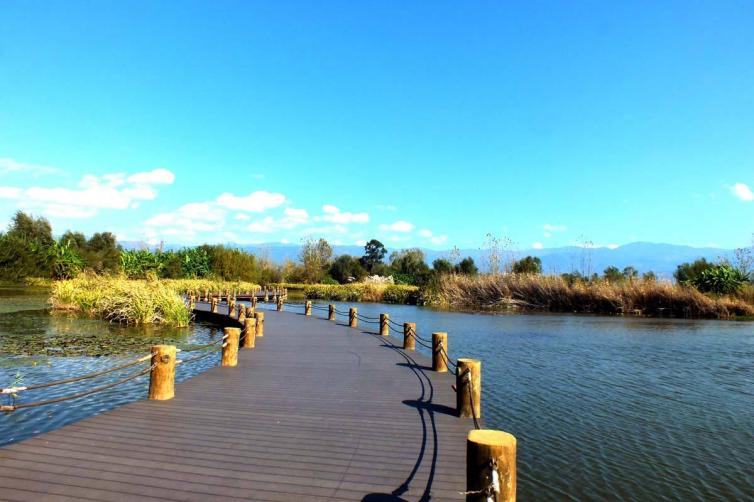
(353, 321)
(241, 313)
(439, 344)
(162, 375)
(259, 316)
(266, 296)
(214, 305)
(469, 388)
(384, 326)
(280, 304)
(230, 347)
(249, 333)
(331, 312)
(254, 302)
(206, 295)
(249, 311)
(409, 336)
(490, 466)
(308, 308)
(275, 298)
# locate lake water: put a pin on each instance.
(603, 408)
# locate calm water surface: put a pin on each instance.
(603, 408)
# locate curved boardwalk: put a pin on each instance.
(317, 411)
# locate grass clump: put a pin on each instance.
(556, 294)
(359, 292)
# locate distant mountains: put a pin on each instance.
(644, 256)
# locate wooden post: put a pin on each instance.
(275, 298)
(353, 321)
(249, 311)
(280, 304)
(490, 466)
(259, 316)
(206, 295)
(308, 308)
(230, 347)
(331, 312)
(249, 333)
(162, 376)
(213, 303)
(241, 313)
(384, 326)
(409, 336)
(231, 307)
(254, 302)
(439, 344)
(469, 388)
(266, 296)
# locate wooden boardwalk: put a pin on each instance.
(317, 411)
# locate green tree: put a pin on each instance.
(722, 279)
(528, 265)
(408, 265)
(630, 273)
(66, 263)
(687, 273)
(442, 266)
(374, 252)
(346, 268)
(649, 276)
(467, 266)
(315, 256)
(25, 248)
(612, 274)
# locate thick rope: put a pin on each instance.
(15, 390)
(78, 395)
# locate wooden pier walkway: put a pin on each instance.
(316, 411)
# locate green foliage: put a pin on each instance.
(467, 267)
(138, 263)
(720, 279)
(100, 253)
(374, 252)
(612, 274)
(528, 265)
(687, 273)
(442, 266)
(409, 265)
(25, 248)
(329, 280)
(630, 273)
(195, 263)
(315, 256)
(230, 264)
(649, 276)
(345, 269)
(66, 263)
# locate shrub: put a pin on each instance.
(720, 279)
(528, 265)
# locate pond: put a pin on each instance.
(603, 407)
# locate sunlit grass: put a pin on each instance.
(357, 292)
(554, 294)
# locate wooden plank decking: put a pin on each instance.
(317, 411)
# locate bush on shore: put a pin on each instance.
(556, 294)
(359, 292)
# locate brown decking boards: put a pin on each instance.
(317, 411)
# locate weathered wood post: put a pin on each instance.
(231, 307)
(308, 308)
(469, 388)
(249, 311)
(490, 466)
(266, 296)
(162, 375)
(384, 326)
(331, 312)
(274, 298)
(249, 333)
(254, 302)
(230, 347)
(213, 305)
(259, 316)
(280, 304)
(409, 336)
(353, 321)
(439, 345)
(241, 313)
(206, 294)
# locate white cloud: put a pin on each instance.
(188, 220)
(425, 233)
(438, 239)
(292, 218)
(554, 228)
(8, 165)
(547, 235)
(255, 202)
(742, 191)
(157, 176)
(296, 214)
(108, 191)
(399, 226)
(242, 217)
(537, 245)
(360, 242)
(612, 246)
(335, 215)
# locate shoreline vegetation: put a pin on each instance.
(94, 276)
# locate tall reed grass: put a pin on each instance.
(134, 301)
(554, 294)
(359, 292)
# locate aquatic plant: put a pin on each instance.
(558, 294)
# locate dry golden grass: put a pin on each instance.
(554, 294)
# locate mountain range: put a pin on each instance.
(660, 258)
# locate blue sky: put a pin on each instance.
(419, 123)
